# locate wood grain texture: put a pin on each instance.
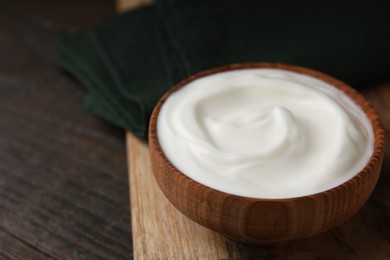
(265, 221)
(155, 220)
(63, 176)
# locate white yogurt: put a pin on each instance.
(264, 133)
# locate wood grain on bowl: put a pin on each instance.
(266, 221)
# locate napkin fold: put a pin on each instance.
(128, 61)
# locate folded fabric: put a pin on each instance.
(127, 62)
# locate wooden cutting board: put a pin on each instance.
(161, 232)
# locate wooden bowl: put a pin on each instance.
(267, 221)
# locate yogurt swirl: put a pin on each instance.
(264, 133)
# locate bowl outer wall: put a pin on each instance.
(266, 221)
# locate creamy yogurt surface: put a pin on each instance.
(264, 133)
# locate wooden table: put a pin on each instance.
(63, 174)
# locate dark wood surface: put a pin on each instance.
(63, 174)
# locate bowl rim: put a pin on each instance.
(358, 99)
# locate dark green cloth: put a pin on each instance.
(128, 61)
